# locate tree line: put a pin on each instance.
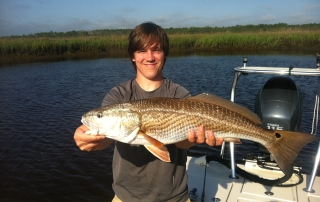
(172, 31)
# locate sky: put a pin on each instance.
(23, 17)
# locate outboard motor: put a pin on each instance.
(278, 104)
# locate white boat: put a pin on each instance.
(210, 180)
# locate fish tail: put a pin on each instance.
(287, 147)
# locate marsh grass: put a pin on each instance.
(45, 46)
(256, 41)
(262, 40)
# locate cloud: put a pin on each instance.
(8, 28)
(301, 18)
(267, 18)
(22, 6)
(128, 9)
(312, 8)
(223, 21)
(77, 24)
(176, 20)
(118, 22)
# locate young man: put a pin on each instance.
(138, 175)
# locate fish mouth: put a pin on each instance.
(86, 123)
(92, 129)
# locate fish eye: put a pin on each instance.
(99, 115)
(278, 135)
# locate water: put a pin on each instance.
(42, 103)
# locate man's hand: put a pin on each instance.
(200, 138)
(90, 142)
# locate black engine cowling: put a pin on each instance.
(278, 104)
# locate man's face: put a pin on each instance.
(149, 62)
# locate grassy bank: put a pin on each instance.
(58, 46)
(284, 38)
(253, 41)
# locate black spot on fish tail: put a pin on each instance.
(287, 147)
(278, 135)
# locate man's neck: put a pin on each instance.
(149, 85)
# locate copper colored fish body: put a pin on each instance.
(156, 122)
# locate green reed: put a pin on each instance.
(47, 46)
(253, 41)
(213, 41)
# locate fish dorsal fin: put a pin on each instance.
(213, 99)
(162, 153)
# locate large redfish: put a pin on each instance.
(156, 122)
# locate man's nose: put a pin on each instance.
(150, 55)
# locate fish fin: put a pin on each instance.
(287, 147)
(216, 100)
(131, 136)
(162, 153)
(234, 140)
(151, 140)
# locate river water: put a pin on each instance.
(42, 103)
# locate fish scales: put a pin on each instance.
(169, 120)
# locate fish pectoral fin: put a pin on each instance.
(151, 140)
(234, 140)
(131, 136)
(162, 153)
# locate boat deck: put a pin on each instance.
(220, 187)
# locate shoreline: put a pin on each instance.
(10, 59)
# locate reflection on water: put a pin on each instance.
(42, 103)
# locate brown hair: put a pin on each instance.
(144, 36)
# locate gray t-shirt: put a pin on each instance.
(137, 174)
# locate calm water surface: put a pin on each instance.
(42, 104)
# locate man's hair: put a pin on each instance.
(145, 35)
